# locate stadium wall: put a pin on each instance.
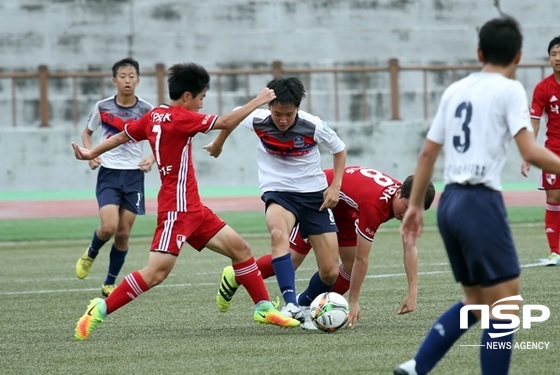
(42, 159)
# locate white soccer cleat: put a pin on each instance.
(407, 368)
(293, 311)
(307, 324)
(552, 260)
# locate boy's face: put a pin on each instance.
(399, 206)
(126, 80)
(197, 102)
(554, 58)
(283, 115)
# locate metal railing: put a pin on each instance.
(355, 93)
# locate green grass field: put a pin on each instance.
(176, 329)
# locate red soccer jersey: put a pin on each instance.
(170, 131)
(367, 194)
(546, 99)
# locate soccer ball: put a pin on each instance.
(329, 311)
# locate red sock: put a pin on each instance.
(247, 274)
(265, 266)
(551, 224)
(131, 287)
(342, 283)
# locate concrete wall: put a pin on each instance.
(89, 35)
(42, 159)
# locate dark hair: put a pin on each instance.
(406, 189)
(553, 43)
(129, 61)
(288, 90)
(500, 40)
(187, 77)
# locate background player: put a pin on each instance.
(120, 180)
(475, 122)
(546, 106)
(293, 187)
(368, 198)
(181, 215)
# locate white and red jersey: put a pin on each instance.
(546, 102)
(290, 161)
(366, 195)
(112, 117)
(170, 131)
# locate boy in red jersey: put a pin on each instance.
(181, 215)
(546, 104)
(368, 198)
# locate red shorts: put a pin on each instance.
(347, 236)
(175, 228)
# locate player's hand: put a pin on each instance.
(213, 149)
(354, 315)
(94, 163)
(412, 225)
(266, 95)
(408, 306)
(81, 153)
(330, 198)
(525, 168)
(146, 164)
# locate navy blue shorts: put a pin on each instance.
(476, 233)
(305, 207)
(121, 187)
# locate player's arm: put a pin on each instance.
(525, 166)
(535, 154)
(330, 196)
(410, 259)
(413, 221)
(229, 122)
(87, 142)
(108, 144)
(359, 271)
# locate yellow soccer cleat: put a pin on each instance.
(266, 313)
(228, 287)
(107, 289)
(84, 266)
(96, 312)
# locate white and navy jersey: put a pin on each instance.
(111, 117)
(290, 161)
(477, 118)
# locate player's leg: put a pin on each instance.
(552, 221)
(163, 255)
(299, 248)
(245, 272)
(493, 360)
(119, 250)
(326, 254)
(109, 219)
(342, 283)
(132, 286)
(280, 222)
(132, 203)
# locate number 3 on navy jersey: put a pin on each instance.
(462, 141)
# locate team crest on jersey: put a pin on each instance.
(299, 141)
(181, 239)
(551, 178)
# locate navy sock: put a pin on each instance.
(96, 244)
(443, 334)
(116, 261)
(495, 353)
(286, 277)
(316, 286)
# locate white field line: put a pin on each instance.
(183, 285)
